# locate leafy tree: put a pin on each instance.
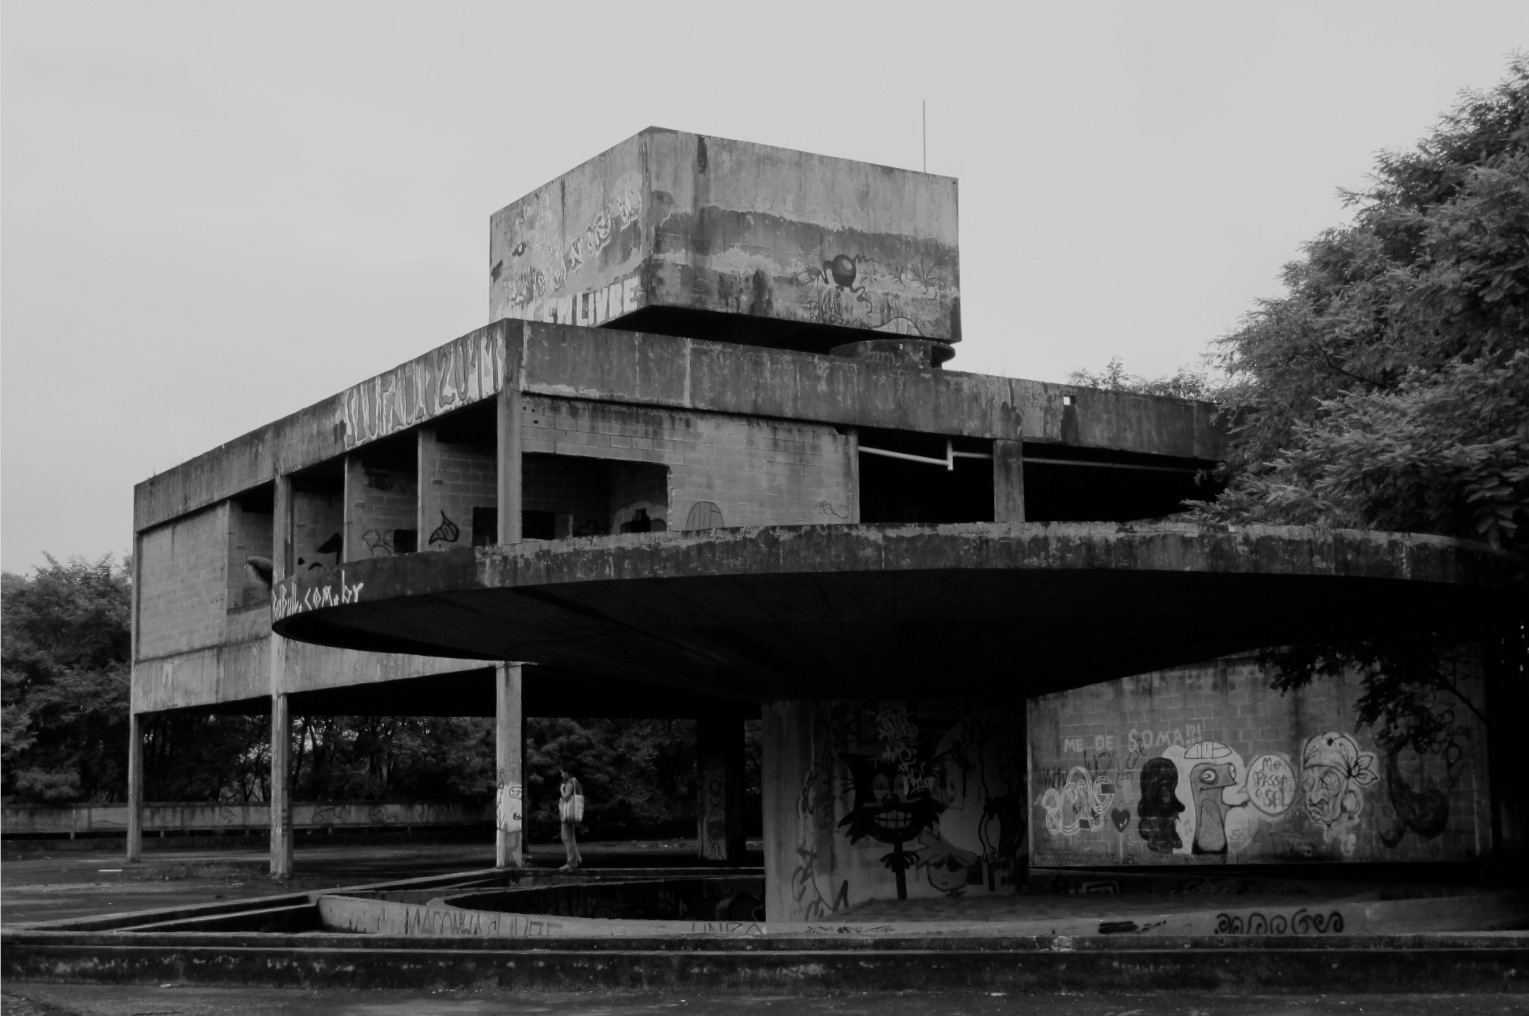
(64, 681)
(1389, 387)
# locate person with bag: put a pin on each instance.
(570, 809)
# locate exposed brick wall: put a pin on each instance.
(183, 583)
(461, 478)
(758, 472)
(382, 502)
(1262, 756)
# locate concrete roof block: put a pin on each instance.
(677, 221)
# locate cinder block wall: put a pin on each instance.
(383, 500)
(183, 583)
(758, 472)
(1208, 765)
(464, 477)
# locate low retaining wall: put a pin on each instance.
(71, 820)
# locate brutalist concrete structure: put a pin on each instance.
(705, 460)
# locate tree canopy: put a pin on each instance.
(1389, 387)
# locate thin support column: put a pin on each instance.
(281, 713)
(719, 812)
(134, 787)
(509, 768)
(281, 786)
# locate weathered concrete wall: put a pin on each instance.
(855, 791)
(757, 472)
(1208, 765)
(668, 219)
(183, 583)
(249, 535)
(233, 671)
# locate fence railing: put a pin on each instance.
(97, 819)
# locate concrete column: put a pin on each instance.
(509, 471)
(281, 786)
(134, 787)
(719, 812)
(509, 768)
(281, 715)
(1008, 482)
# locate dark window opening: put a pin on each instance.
(1070, 484)
(931, 478)
(569, 495)
(251, 528)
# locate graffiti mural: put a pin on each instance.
(1263, 790)
(1334, 775)
(463, 371)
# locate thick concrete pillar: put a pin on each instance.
(509, 768)
(1008, 482)
(719, 812)
(281, 715)
(134, 787)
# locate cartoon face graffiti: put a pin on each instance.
(1216, 777)
(1334, 773)
(887, 808)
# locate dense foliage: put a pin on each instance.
(64, 681)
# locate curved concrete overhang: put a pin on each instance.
(867, 611)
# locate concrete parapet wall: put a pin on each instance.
(756, 472)
(660, 371)
(1209, 765)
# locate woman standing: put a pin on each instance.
(570, 809)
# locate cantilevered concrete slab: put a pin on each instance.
(1000, 611)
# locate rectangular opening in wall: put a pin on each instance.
(570, 495)
(910, 477)
(382, 495)
(1064, 483)
(318, 517)
(251, 525)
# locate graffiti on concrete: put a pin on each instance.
(463, 371)
(538, 264)
(1159, 807)
(508, 807)
(713, 812)
(447, 532)
(332, 593)
(1302, 922)
(1334, 775)
(1080, 803)
(387, 542)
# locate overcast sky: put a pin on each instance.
(215, 214)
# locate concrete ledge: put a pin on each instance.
(1361, 964)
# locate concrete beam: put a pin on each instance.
(872, 611)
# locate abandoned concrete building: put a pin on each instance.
(706, 461)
